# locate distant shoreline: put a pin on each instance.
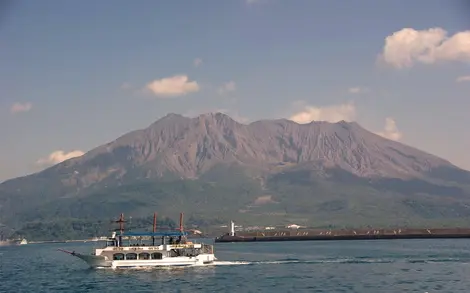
(344, 234)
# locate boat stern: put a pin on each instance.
(203, 259)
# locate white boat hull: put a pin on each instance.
(94, 261)
(102, 262)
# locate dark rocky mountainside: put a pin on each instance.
(269, 156)
(185, 147)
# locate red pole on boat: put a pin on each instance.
(121, 228)
(154, 222)
(181, 222)
(154, 227)
(121, 223)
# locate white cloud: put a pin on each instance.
(333, 113)
(227, 87)
(21, 107)
(197, 62)
(465, 78)
(391, 130)
(406, 47)
(358, 90)
(174, 86)
(58, 157)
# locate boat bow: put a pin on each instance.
(92, 260)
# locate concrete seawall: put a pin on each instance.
(344, 234)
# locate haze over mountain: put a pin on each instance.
(269, 167)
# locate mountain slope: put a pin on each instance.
(270, 157)
(186, 148)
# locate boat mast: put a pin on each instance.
(121, 223)
(182, 237)
(154, 227)
(181, 222)
(121, 228)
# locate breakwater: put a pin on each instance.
(344, 234)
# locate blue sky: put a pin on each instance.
(77, 74)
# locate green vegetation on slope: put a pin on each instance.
(334, 199)
(69, 229)
(204, 203)
(340, 199)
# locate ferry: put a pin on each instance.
(166, 248)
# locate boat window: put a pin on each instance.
(131, 256)
(144, 255)
(156, 255)
(118, 256)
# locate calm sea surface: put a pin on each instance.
(343, 266)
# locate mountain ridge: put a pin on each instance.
(343, 144)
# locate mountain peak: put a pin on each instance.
(171, 116)
(189, 147)
(175, 118)
(216, 118)
(214, 115)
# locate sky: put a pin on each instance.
(78, 74)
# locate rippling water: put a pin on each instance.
(342, 266)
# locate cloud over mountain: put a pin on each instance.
(174, 86)
(59, 156)
(408, 46)
(333, 113)
(391, 130)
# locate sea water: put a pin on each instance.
(310, 266)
